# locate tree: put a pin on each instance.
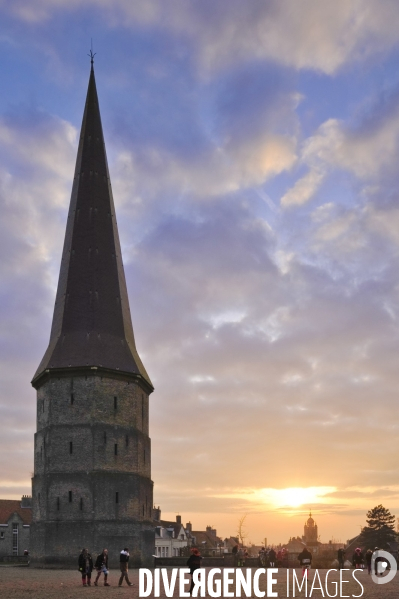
(241, 533)
(380, 529)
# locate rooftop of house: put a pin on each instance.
(8, 507)
(206, 539)
(174, 529)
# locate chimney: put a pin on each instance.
(178, 519)
(156, 513)
(189, 527)
(26, 501)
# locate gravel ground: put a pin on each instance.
(22, 582)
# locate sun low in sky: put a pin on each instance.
(253, 152)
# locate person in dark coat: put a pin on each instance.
(262, 557)
(358, 558)
(234, 551)
(305, 559)
(369, 556)
(194, 563)
(341, 558)
(85, 563)
(123, 562)
(101, 566)
(272, 558)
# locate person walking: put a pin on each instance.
(101, 566)
(305, 559)
(245, 555)
(341, 558)
(358, 558)
(369, 555)
(123, 562)
(240, 557)
(272, 558)
(262, 557)
(194, 563)
(234, 552)
(85, 563)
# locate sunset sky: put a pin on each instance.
(253, 151)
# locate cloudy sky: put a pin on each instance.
(253, 151)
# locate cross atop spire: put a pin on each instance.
(91, 54)
(92, 325)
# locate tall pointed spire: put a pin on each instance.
(92, 325)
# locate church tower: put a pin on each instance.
(311, 536)
(92, 476)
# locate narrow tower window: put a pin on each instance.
(70, 496)
(143, 509)
(72, 399)
(127, 440)
(115, 403)
(70, 447)
(117, 497)
(116, 448)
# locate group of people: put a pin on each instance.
(270, 559)
(240, 555)
(85, 563)
(359, 559)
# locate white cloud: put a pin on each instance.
(306, 35)
(303, 190)
(220, 170)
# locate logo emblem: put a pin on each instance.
(386, 563)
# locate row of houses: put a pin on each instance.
(173, 539)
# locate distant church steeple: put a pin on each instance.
(92, 482)
(310, 536)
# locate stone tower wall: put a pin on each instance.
(92, 483)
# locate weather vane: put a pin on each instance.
(91, 53)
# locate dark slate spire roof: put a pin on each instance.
(91, 323)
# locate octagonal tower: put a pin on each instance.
(92, 476)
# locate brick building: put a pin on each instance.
(15, 521)
(92, 475)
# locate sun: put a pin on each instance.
(295, 497)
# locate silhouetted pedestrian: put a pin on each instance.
(369, 556)
(123, 563)
(101, 566)
(341, 558)
(272, 558)
(85, 563)
(234, 552)
(358, 558)
(305, 559)
(194, 563)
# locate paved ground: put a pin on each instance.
(24, 583)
